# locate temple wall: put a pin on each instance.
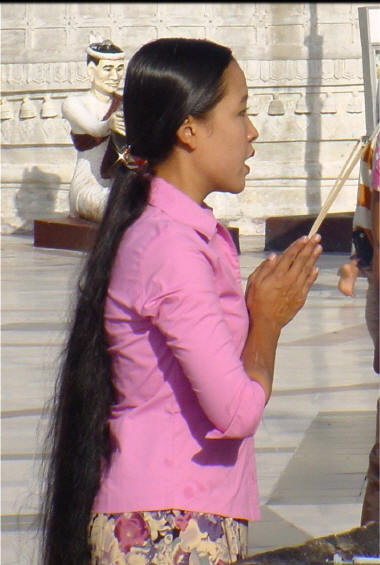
(304, 72)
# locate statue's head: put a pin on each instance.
(105, 66)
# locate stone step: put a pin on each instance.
(64, 232)
(336, 231)
(361, 541)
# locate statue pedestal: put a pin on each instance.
(63, 232)
(336, 231)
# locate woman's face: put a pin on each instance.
(226, 137)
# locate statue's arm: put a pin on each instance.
(82, 120)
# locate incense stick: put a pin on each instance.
(335, 190)
(354, 157)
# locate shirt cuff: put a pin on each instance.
(247, 416)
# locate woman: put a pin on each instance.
(168, 366)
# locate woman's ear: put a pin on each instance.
(187, 133)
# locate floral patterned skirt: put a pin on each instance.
(170, 537)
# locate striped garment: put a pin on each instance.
(368, 181)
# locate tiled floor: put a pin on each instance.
(312, 446)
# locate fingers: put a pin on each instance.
(119, 125)
(294, 265)
(288, 256)
(116, 123)
(262, 270)
(303, 269)
(294, 271)
(310, 280)
(120, 131)
(298, 258)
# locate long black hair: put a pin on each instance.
(166, 81)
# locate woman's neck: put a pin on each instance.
(179, 171)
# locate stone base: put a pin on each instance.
(234, 233)
(336, 231)
(362, 541)
(65, 233)
(78, 234)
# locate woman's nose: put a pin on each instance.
(252, 132)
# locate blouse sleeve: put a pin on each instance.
(181, 299)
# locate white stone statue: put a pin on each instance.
(96, 121)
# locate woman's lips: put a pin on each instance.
(249, 157)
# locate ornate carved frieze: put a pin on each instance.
(34, 77)
(61, 76)
(300, 72)
(34, 118)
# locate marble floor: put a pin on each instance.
(312, 446)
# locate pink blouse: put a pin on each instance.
(186, 411)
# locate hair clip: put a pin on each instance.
(132, 162)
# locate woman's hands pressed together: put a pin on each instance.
(278, 287)
(276, 290)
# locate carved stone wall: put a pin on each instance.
(304, 72)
